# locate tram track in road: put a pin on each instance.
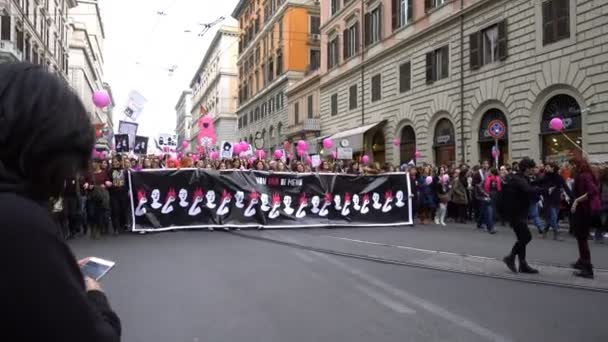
(442, 268)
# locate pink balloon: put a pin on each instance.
(301, 153)
(365, 159)
(302, 145)
(180, 155)
(556, 124)
(418, 154)
(244, 146)
(428, 180)
(103, 155)
(184, 144)
(334, 155)
(328, 143)
(261, 154)
(495, 154)
(396, 142)
(445, 178)
(214, 155)
(278, 154)
(243, 155)
(101, 98)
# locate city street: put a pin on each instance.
(217, 286)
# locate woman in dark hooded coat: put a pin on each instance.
(46, 138)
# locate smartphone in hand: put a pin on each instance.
(96, 268)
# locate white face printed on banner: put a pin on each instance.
(250, 211)
(239, 196)
(155, 199)
(287, 203)
(356, 205)
(315, 202)
(337, 203)
(347, 202)
(388, 196)
(365, 205)
(303, 204)
(210, 196)
(326, 203)
(265, 202)
(376, 199)
(224, 203)
(168, 207)
(399, 197)
(198, 199)
(183, 198)
(276, 204)
(140, 210)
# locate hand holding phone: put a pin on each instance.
(95, 268)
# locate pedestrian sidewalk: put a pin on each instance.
(410, 246)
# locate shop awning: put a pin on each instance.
(355, 135)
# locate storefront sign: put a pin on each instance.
(345, 153)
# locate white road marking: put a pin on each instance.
(430, 251)
(304, 256)
(422, 303)
(384, 300)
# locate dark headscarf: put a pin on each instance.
(46, 135)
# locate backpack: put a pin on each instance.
(504, 201)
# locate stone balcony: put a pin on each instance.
(9, 52)
(307, 125)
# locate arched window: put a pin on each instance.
(486, 141)
(378, 147)
(444, 143)
(556, 147)
(407, 148)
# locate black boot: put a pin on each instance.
(577, 265)
(525, 268)
(587, 272)
(509, 260)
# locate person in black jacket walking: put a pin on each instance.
(46, 138)
(517, 194)
(553, 183)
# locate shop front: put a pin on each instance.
(559, 146)
(495, 118)
(444, 143)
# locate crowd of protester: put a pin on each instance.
(99, 201)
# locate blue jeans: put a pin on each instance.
(488, 215)
(552, 218)
(533, 215)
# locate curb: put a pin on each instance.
(418, 265)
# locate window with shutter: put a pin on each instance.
(474, 50)
(334, 104)
(405, 72)
(376, 88)
(346, 45)
(547, 10)
(352, 97)
(562, 15)
(445, 62)
(310, 108)
(367, 24)
(502, 40)
(395, 10)
(5, 33)
(296, 113)
(428, 5)
(429, 67)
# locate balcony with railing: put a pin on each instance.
(9, 52)
(307, 125)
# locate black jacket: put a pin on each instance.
(555, 182)
(42, 289)
(517, 194)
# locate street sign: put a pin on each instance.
(345, 153)
(497, 129)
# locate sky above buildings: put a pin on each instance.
(142, 46)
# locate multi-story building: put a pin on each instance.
(435, 74)
(35, 31)
(214, 85)
(85, 72)
(183, 118)
(279, 44)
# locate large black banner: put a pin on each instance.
(196, 198)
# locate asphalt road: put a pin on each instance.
(213, 286)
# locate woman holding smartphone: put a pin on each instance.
(46, 138)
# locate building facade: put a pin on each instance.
(183, 116)
(214, 86)
(85, 72)
(406, 75)
(37, 32)
(304, 118)
(278, 46)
